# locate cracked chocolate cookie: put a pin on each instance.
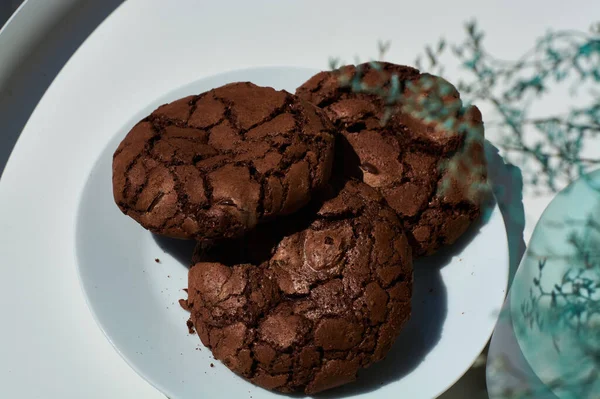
(408, 135)
(304, 303)
(214, 165)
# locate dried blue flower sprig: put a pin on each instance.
(554, 144)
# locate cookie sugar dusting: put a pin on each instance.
(302, 305)
(214, 165)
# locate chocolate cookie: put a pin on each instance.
(304, 303)
(214, 165)
(408, 135)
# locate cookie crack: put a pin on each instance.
(289, 101)
(147, 152)
(229, 114)
(194, 103)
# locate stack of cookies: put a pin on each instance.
(308, 211)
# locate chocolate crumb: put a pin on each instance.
(190, 327)
(157, 260)
(212, 365)
(184, 304)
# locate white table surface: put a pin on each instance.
(34, 49)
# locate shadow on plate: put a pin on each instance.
(507, 182)
(181, 250)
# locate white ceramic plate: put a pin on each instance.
(121, 58)
(134, 299)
